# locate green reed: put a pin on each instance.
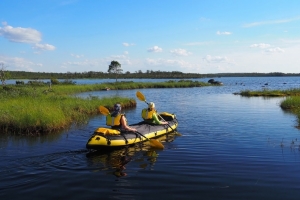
(271, 93)
(32, 110)
(291, 103)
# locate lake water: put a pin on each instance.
(231, 147)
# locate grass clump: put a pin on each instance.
(291, 103)
(271, 93)
(28, 110)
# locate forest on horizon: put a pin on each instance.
(137, 75)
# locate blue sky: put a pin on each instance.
(191, 36)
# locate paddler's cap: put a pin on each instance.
(117, 107)
(151, 105)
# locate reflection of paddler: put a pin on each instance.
(119, 170)
(114, 161)
(152, 155)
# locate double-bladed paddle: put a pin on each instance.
(153, 142)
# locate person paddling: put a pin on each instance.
(117, 120)
(150, 116)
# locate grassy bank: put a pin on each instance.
(40, 114)
(291, 102)
(38, 108)
(271, 93)
(126, 85)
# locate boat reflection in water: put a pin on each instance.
(114, 161)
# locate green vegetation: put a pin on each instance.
(39, 107)
(149, 74)
(291, 103)
(34, 110)
(271, 93)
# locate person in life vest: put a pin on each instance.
(150, 116)
(117, 120)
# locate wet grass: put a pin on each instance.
(27, 110)
(271, 93)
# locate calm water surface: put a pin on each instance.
(231, 147)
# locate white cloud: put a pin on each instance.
(198, 43)
(155, 49)
(77, 56)
(122, 59)
(126, 52)
(18, 34)
(289, 41)
(260, 45)
(274, 50)
(267, 48)
(216, 59)
(223, 33)
(18, 63)
(118, 56)
(127, 44)
(180, 52)
(80, 63)
(280, 21)
(166, 62)
(24, 35)
(48, 47)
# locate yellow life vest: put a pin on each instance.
(113, 121)
(107, 131)
(147, 114)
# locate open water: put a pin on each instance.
(231, 147)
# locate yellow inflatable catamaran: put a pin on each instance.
(106, 137)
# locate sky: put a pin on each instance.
(190, 36)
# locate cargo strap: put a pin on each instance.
(138, 136)
(108, 140)
(123, 135)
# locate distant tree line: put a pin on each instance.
(149, 74)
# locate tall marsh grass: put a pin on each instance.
(271, 93)
(291, 103)
(32, 110)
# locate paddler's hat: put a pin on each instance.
(117, 110)
(117, 107)
(151, 105)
